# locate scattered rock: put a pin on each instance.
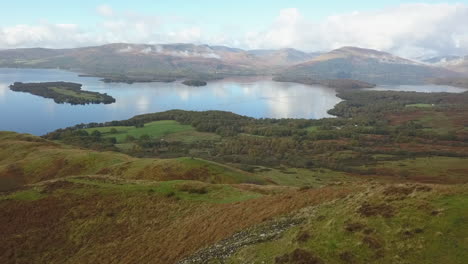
(227, 247)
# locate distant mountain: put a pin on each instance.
(166, 62)
(283, 56)
(123, 61)
(365, 65)
(454, 63)
(136, 60)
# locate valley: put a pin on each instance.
(236, 132)
(388, 174)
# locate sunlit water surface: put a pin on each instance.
(255, 97)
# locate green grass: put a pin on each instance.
(303, 177)
(215, 193)
(437, 169)
(312, 128)
(220, 172)
(191, 136)
(420, 105)
(156, 129)
(26, 195)
(437, 122)
(441, 239)
(43, 160)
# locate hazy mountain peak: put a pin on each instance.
(357, 53)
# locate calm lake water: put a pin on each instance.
(255, 97)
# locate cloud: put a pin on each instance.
(105, 10)
(43, 34)
(411, 30)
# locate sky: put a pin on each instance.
(412, 29)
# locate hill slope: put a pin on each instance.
(70, 205)
(454, 63)
(35, 159)
(154, 62)
(364, 65)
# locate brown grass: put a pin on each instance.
(132, 229)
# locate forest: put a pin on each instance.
(369, 126)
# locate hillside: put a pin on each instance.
(165, 62)
(122, 62)
(364, 65)
(454, 63)
(165, 217)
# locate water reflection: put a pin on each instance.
(3, 89)
(428, 88)
(255, 97)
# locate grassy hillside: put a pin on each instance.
(364, 65)
(384, 224)
(26, 159)
(106, 207)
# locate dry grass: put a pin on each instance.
(89, 227)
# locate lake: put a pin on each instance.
(255, 97)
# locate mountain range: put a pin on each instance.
(454, 63)
(166, 62)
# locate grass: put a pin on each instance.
(312, 128)
(414, 234)
(25, 195)
(27, 159)
(426, 169)
(213, 193)
(156, 129)
(420, 105)
(303, 177)
(220, 172)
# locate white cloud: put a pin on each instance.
(44, 34)
(409, 30)
(105, 10)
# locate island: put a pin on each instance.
(333, 83)
(194, 83)
(63, 92)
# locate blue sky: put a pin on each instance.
(309, 25)
(245, 13)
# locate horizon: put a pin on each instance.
(417, 29)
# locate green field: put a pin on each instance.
(156, 129)
(312, 128)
